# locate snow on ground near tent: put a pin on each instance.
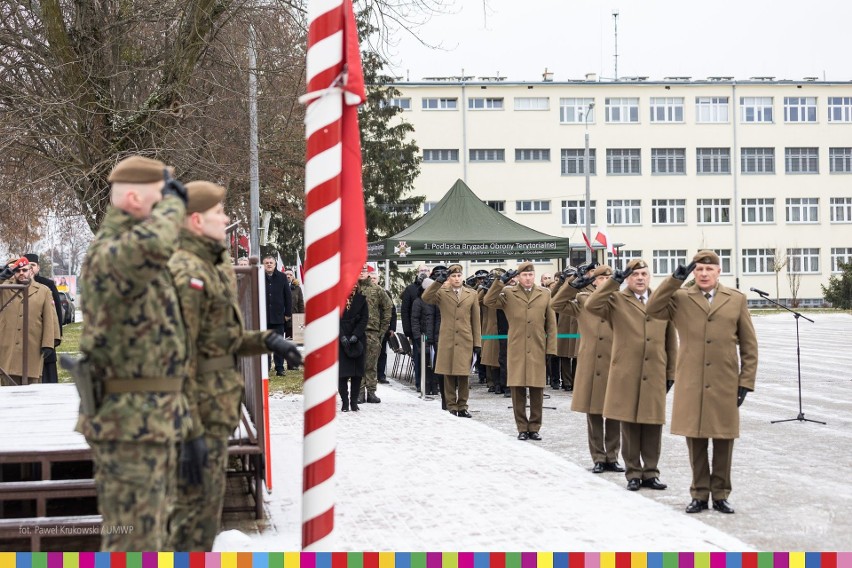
(410, 477)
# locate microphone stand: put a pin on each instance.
(801, 416)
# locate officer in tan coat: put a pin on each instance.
(461, 334)
(644, 351)
(532, 336)
(712, 378)
(593, 362)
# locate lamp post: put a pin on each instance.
(588, 182)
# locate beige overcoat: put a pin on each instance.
(532, 332)
(644, 353)
(43, 330)
(709, 369)
(461, 330)
(566, 324)
(490, 347)
(593, 359)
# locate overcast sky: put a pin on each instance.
(785, 39)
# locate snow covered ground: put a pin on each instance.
(411, 477)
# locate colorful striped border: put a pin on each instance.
(426, 560)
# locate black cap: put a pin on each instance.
(32, 257)
(481, 273)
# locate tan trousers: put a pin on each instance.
(604, 438)
(705, 482)
(519, 405)
(641, 445)
(456, 391)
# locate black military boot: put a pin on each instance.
(353, 396)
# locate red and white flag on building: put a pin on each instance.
(586, 238)
(299, 268)
(604, 239)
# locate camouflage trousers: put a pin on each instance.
(198, 509)
(374, 347)
(135, 484)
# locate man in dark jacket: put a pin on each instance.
(48, 374)
(411, 293)
(381, 375)
(279, 304)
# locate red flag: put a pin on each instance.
(353, 226)
(586, 238)
(602, 238)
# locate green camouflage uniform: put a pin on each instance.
(133, 336)
(207, 289)
(379, 306)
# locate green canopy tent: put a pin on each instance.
(460, 227)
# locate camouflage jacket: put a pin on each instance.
(132, 326)
(379, 305)
(207, 288)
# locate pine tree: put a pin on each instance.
(839, 289)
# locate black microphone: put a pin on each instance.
(761, 292)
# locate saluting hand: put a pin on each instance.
(682, 272)
(508, 276)
(621, 275)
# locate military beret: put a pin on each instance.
(32, 257)
(602, 270)
(18, 262)
(137, 169)
(636, 264)
(526, 267)
(497, 271)
(481, 273)
(202, 196)
(706, 257)
(454, 268)
(436, 269)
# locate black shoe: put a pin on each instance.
(361, 399)
(507, 394)
(482, 380)
(534, 436)
(722, 506)
(523, 436)
(454, 413)
(654, 483)
(344, 407)
(383, 381)
(354, 407)
(634, 484)
(372, 398)
(613, 466)
(280, 373)
(696, 506)
(491, 388)
(600, 467)
(464, 414)
(554, 386)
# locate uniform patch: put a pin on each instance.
(196, 284)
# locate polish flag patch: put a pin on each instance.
(196, 284)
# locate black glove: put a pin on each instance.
(46, 352)
(584, 268)
(568, 272)
(353, 339)
(620, 275)
(420, 278)
(508, 276)
(581, 282)
(682, 272)
(193, 460)
(669, 384)
(7, 273)
(286, 349)
(477, 350)
(741, 394)
(441, 276)
(173, 187)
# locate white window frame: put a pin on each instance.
(524, 206)
(726, 262)
(572, 110)
(440, 103)
(801, 160)
(714, 211)
(532, 103)
(532, 154)
(622, 110)
(840, 109)
(497, 205)
(576, 208)
(756, 110)
(576, 156)
(664, 261)
(428, 206)
(623, 212)
(628, 161)
(840, 160)
(841, 209)
(624, 256)
(758, 261)
(838, 255)
(666, 109)
(403, 103)
(803, 261)
(757, 161)
(800, 110)
(802, 210)
(712, 110)
(762, 207)
(668, 161)
(485, 103)
(487, 155)
(440, 155)
(668, 211)
(713, 161)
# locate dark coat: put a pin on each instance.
(426, 318)
(279, 302)
(57, 301)
(353, 321)
(411, 293)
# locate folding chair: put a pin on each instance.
(393, 343)
(406, 351)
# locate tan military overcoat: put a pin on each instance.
(461, 329)
(43, 330)
(566, 324)
(490, 347)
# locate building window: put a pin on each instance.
(436, 103)
(714, 211)
(725, 261)
(757, 160)
(532, 206)
(668, 211)
(803, 260)
(624, 256)
(574, 213)
(666, 109)
(498, 206)
(485, 103)
(841, 209)
(800, 109)
(756, 109)
(428, 206)
(711, 109)
(713, 160)
(801, 160)
(625, 109)
(440, 155)
(758, 210)
(803, 209)
(840, 109)
(668, 161)
(758, 261)
(487, 155)
(400, 102)
(840, 255)
(840, 160)
(623, 212)
(532, 103)
(623, 161)
(532, 154)
(573, 111)
(666, 260)
(572, 162)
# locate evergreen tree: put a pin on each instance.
(839, 289)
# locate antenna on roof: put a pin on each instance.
(615, 23)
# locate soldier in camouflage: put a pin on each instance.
(379, 305)
(207, 289)
(134, 339)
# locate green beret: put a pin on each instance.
(602, 270)
(454, 268)
(526, 267)
(706, 257)
(203, 196)
(636, 264)
(137, 169)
